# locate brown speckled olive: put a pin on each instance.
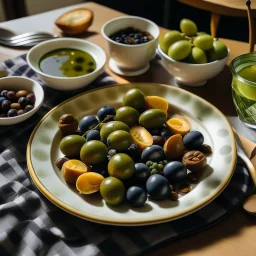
(68, 124)
(28, 108)
(15, 106)
(67, 119)
(158, 140)
(60, 161)
(11, 95)
(21, 93)
(20, 112)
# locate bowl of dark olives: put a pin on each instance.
(132, 42)
(20, 98)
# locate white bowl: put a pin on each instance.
(17, 83)
(192, 74)
(66, 83)
(132, 57)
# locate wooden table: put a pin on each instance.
(234, 236)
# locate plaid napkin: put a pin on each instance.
(31, 225)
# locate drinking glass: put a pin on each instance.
(243, 69)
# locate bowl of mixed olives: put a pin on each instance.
(20, 98)
(191, 56)
(131, 153)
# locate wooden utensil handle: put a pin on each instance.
(251, 26)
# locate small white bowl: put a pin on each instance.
(192, 74)
(67, 83)
(131, 57)
(17, 83)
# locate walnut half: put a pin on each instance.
(194, 160)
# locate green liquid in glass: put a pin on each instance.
(244, 95)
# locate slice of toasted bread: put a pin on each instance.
(75, 21)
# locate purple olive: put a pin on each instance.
(11, 95)
(28, 108)
(12, 113)
(136, 196)
(23, 102)
(31, 98)
(158, 187)
(6, 104)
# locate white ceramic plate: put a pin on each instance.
(43, 150)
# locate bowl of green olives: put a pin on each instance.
(192, 57)
(20, 98)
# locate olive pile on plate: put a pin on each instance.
(132, 153)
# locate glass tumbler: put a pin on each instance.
(243, 69)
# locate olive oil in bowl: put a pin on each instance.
(67, 62)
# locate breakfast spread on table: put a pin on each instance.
(142, 150)
(133, 154)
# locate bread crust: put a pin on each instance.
(75, 21)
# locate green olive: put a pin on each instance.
(111, 127)
(152, 118)
(134, 98)
(120, 140)
(121, 166)
(71, 145)
(127, 115)
(93, 152)
(112, 190)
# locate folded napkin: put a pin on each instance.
(32, 225)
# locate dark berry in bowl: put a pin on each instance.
(11, 95)
(6, 104)
(23, 102)
(131, 36)
(12, 113)
(31, 98)
(28, 108)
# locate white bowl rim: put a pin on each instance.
(190, 64)
(66, 39)
(27, 113)
(134, 18)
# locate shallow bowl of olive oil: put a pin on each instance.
(67, 63)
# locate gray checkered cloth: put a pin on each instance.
(30, 225)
